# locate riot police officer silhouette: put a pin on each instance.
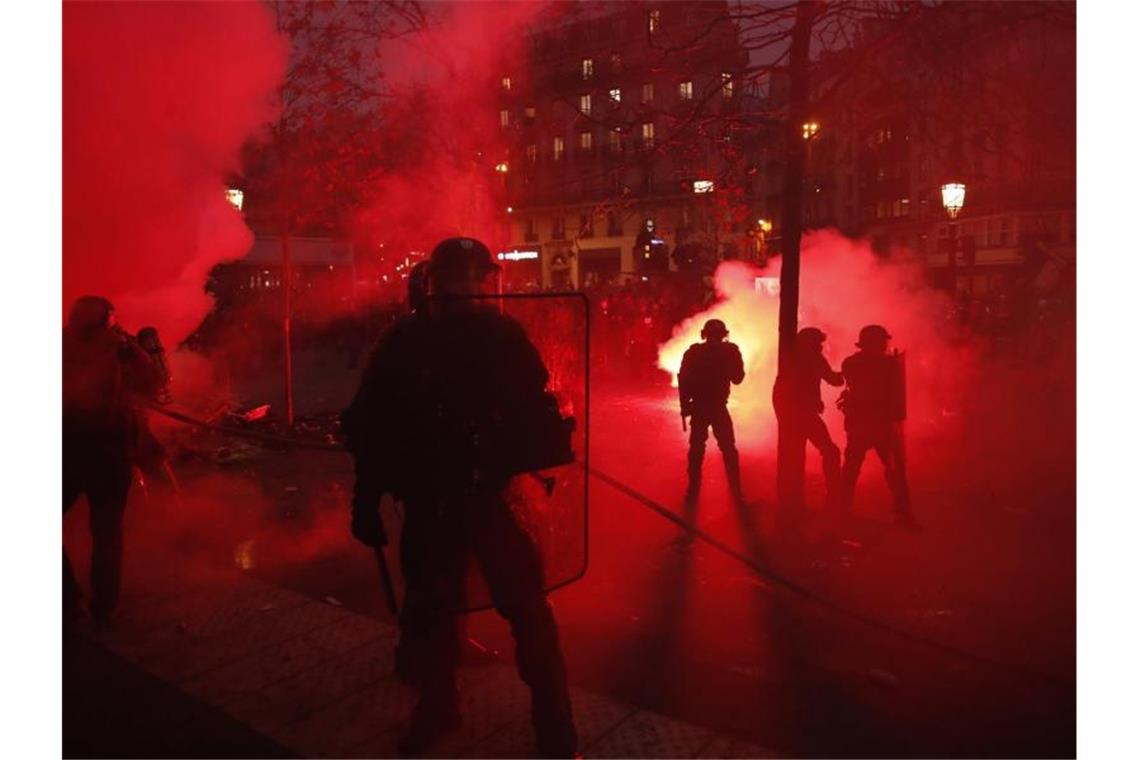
(105, 372)
(798, 405)
(434, 423)
(707, 371)
(874, 407)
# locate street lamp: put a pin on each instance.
(235, 197)
(953, 198)
(810, 129)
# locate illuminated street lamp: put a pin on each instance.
(235, 197)
(953, 198)
(764, 225)
(703, 186)
(810, 129)
(502, 167)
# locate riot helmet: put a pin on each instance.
(714, 330)
(873, 337)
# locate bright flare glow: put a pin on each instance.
(502, 167)
(953, 198)
(703, 186)
(764, 225)
(738, 307)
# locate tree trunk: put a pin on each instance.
(287, 324)
(790, 452)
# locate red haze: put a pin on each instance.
(844, 286)
(443, 130)
(157, 101)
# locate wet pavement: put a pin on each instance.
(219, 664)
(958, 640)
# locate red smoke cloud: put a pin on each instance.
(443, 132)
(157, 101)
(844, 286)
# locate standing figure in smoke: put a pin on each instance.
(874, 407)
(798, 405)
(707, 370)
(149, 454)
(103, 370)
(445, 407)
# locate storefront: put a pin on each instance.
(598, 266)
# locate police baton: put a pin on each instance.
(386, 579)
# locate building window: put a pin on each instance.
(586, 226)
(532, 153)
(647, 134)
(654, 20)
(726, 85)
(530, 112)
(613, 225)
(615, 95)
(587, 69)
(504, 118)
(506, 84)
(558, 228)
(647, 92)
(584, 104)
(559, 148)
(530, 233)
(586, 141)
(685, 90)
(615, 141)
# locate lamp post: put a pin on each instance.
(953, 199)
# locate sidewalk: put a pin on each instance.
(236, 667)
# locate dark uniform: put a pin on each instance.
(102, 368)
(149, 452)
(798, 404)
(707, 370)
(440, 412)
(873, 416)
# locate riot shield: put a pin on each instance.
(549, 504)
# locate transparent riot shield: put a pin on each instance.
(549, 504)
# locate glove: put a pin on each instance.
(367, 528)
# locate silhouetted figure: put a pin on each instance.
(442, 416)
(798, 405)
(874, 407)
(149, 453)
(707, 369)
(103, 367)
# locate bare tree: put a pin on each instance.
(319, 155)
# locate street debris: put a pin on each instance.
(252, 415)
